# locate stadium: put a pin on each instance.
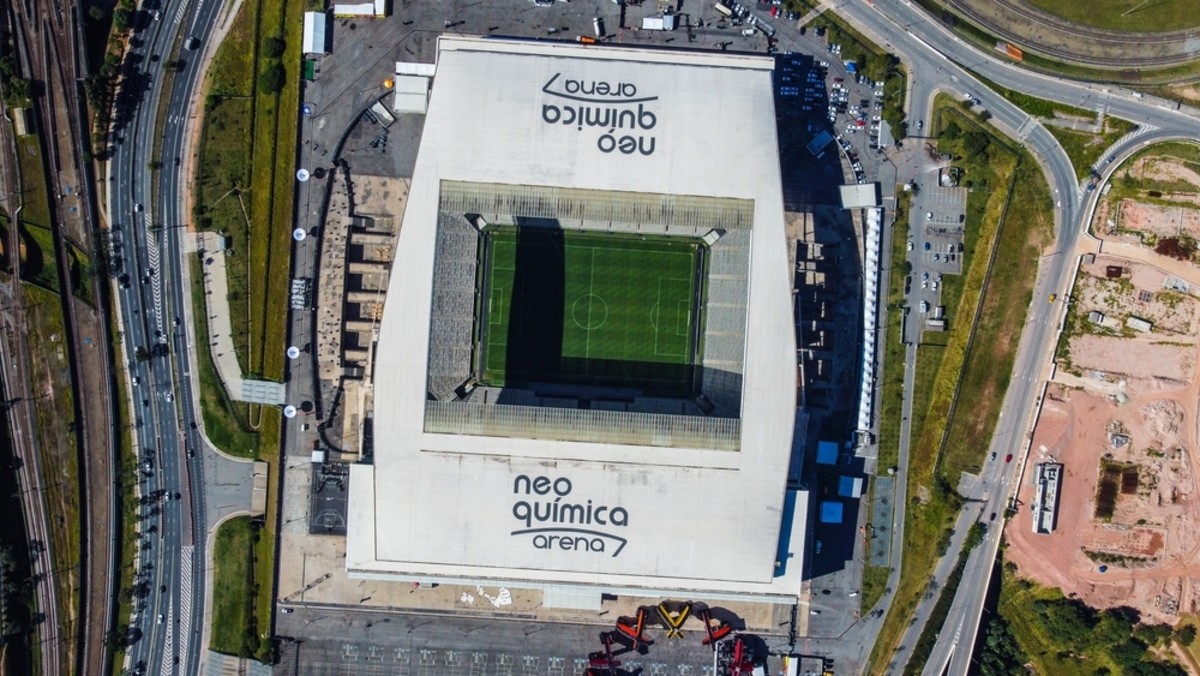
(585, 377)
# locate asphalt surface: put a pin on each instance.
(168, 619)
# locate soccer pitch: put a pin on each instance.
(589, 308)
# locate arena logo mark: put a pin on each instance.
(613, 108)
(547, 520)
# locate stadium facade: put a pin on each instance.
(547, 173)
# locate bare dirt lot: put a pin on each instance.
(1126, 433)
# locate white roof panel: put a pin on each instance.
(533, 510)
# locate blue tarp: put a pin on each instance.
(827, 453)
(851, 67)
(831, 512)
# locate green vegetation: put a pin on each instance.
(590, 307)
(244, 190)
(953, 366)
(234, 622)
(1000, 654)
(874, 585)
(937, 617)
(55, 421)
(1085, 149)
(892, 400)
(224, 420)
(1127, 16)
(244, 180)
(17, 90)
(38, 264)
(1035, 106)
(1058, 635)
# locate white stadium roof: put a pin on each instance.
(671, 513)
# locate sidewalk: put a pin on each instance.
(220, 328)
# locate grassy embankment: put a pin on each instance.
(1120, 15)
(1140, 78)
(127, 515)
(50, 381)
(244, 190)
(946, 368)
(1085, 149)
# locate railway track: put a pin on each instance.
(49, 34)
(1130, 42)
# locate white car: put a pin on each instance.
(910, 246)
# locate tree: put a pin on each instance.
(96, 13)
(1128, 652)
(271, 80)
(975, 143)
(1181, 248)
(121, 17)
(1186, 635)
(1153, 634)
(274, 47)
(951, 132)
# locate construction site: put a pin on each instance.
(1120, 415)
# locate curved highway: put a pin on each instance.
(167, 626)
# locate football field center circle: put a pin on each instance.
(589, 311)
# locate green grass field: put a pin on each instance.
(587, 307)
(1148, 16)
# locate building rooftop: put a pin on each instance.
(642, 492)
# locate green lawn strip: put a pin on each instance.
(38, 262)
(937, 617)
(874, 585)
(1085, 149)
(55, 415)
(1035, 106)
(224, 422)
(1124, 16)
(1027, 228)
(892, 402)
(1190, 648)
(35, 204)
(233, 595)
(264, 551)
(244, 556)
(7, 257)
(291, 15)
(1036, 62)
(81, 275)
(40, 266)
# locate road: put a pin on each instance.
(149, 227)
(936, 59)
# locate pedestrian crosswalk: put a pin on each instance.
(1026, 128)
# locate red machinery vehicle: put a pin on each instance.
(603, 663)
(715, 629)
(633, 628)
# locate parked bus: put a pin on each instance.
(720, 7)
